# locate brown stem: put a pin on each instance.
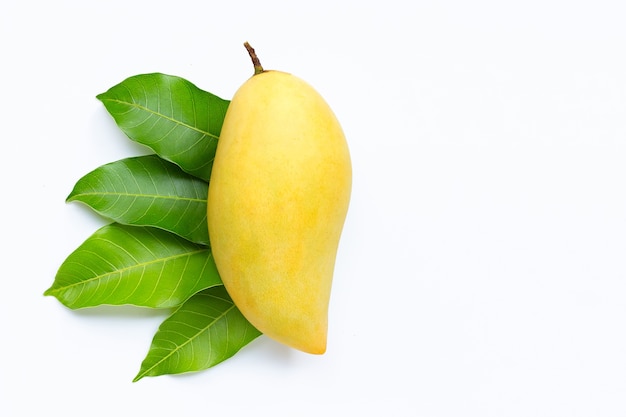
(255, 59)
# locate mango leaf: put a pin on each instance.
(206, 330)
(172, 116)
(142, 266)
(147, 191)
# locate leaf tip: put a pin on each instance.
(75, 191)
(142, 372)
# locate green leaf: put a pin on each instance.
(142, 266)
(204, 331)
(179, 121)
(147, 191)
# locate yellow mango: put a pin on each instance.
(278, 198)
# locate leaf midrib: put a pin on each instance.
(149, 110)
(182, 345)
(156, 196)
(122, 270)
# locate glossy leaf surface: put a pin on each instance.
(147, 191)
(179, 121)
(142, 266)
(206, 330)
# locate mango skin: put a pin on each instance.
(278, 198)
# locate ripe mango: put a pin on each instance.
(278, 197)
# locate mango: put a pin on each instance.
(278, 198)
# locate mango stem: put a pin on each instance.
(255, 59)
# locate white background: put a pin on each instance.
(482, 267)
